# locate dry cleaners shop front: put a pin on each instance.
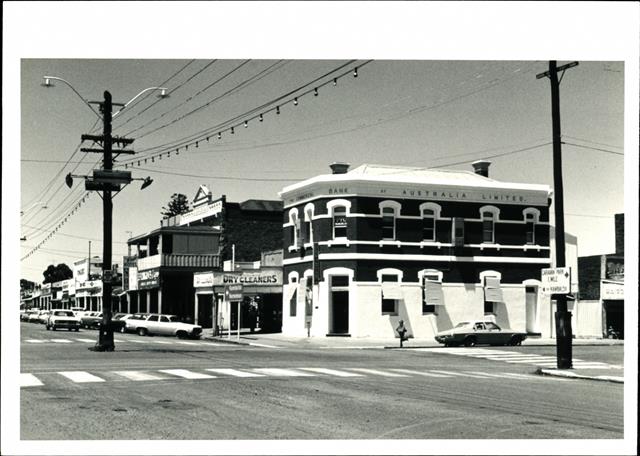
(262, 301)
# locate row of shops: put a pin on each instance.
(353, 252)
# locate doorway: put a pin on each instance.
(614, 316)
(339, 312)
(531, 310)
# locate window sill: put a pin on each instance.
(430, 313)
(338, 241)
(489, 245)
(390, 242)
(392, 314)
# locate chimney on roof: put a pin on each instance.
(339, 167)
(481, 167)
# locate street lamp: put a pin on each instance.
(163, 94)
(47, 83)
(106, 180)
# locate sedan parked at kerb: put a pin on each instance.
(472, 333)
(168, 325)
(131, 323)
(62, 318)
(91, 320)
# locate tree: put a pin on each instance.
(57, 273)
(179, 204)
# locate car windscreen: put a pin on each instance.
(63, 313)
(462, 324)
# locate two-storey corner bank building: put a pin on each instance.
(366, 248)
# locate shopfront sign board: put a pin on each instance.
(233, 292)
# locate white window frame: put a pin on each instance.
(483, 276)
(399, 276)
(421, 276)
(331, 207)
(495, 218)
(396, 207)
(293, 221)
(309, 212)
(436, 208)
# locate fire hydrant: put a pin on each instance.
(401, 331)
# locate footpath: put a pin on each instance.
(278, 340)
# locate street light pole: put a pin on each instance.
(105, 341)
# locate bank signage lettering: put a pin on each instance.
(149, 279)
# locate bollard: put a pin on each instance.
(401, 331)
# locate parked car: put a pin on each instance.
(63, 318)
(167, 325)
(118, 321)
(91, 320)
(131, 322)
(32, 315)
(43, 316)
(478, 332)
(78, 311)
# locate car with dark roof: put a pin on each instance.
(479, 332)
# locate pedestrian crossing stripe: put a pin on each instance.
(516, 357)
(62, 341)
(31, 380)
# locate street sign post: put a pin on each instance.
(556, 281)
(234, 292)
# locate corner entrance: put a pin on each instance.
(339, 306)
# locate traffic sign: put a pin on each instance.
(556, 280)
(233, 292)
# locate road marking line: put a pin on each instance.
(414, 372)
(283, 372)
(35, 341)
(81, 377)
(184, 342)
(541, 360)
(489, 374)
(457, 374)
(589, 366)
(137, 375)
(85, 340)
(337, 373)
(29, 380)
(235, 373)
(262, 345)
(61, 341)
(164, 342)
(136, 341)
(376, 372)
(184, 373)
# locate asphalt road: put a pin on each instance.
(161, 388)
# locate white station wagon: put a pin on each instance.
(167, 325)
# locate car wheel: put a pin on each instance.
(142, 331)
(53, 327)
(181, 335)
(77, 329)
(470, 342)
(123, 330)
(48, 328)
(516, 340)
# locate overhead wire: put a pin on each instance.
(593, 148)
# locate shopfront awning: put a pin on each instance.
(433, 293)
(391, 290)
(492, 290)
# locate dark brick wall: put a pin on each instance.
(589, 274)
(619, 221)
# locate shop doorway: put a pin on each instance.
(614, 317)
(205, 307)
(339, 323)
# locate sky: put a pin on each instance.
(449, 83)
(423, 113)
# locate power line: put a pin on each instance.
(221, 177)
(74, 236)
(594, 148)
(593, 142)
(495, 156)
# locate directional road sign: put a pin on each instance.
(556, 280)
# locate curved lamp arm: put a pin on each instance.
(47, 83)
(163, 94)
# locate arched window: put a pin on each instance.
(391, 281)
(339, 222)
(430, 213)
(531, 218)
(388, 211)
(295, 223)
(307, 229)
(489, 215)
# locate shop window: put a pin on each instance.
(430, 213)
(492, 291)
(391, 294)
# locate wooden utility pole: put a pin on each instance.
(563, 316)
